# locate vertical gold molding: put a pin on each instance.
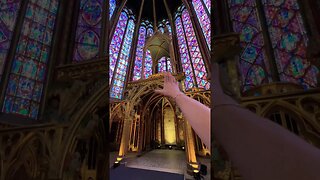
(190, 143)
(126, 130)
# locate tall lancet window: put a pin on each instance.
(147, 65)
(191, 58)
(289, 42)
(112, 7)
(204, 19)
(8, 13)
(116, 41)
(137, 71)
(165, 25)
(119, 53)
(88, 33)
(169, 27)
(28, 72)
(253, 62)
(148, 58)
(161, 27)
(164, 65)
(143, 68)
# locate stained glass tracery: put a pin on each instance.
(115, 45)
(208, 5)
(253, 65)
(169, 27)
(164, 65)
(8, 13)
(191, 57)
(148, 59)
(119, 52)
(149, 31)
(28, 72)
(204, 20)
(161, 28)
(88, 31)
(289, 42)
(120, 76)
(147, 65)
(286, 30)
(137, 71)
(112, 7)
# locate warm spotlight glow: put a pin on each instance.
(196, 171)
(169, 126)
(119, 158)
(195, 166)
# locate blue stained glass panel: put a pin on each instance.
(203, 19)
(88, 30)
(116, 41)
(28, 72)
(112, 7)
(8, 13)
(253, 64)
(148, 65)
(121, 70)
(139, 54)
(289, 42)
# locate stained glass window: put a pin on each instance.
(204, 20)
(161, 28)
(289, 41)
(115, 45)
(252, 63)
(148, 58)
(169, 27)
(88, 31)
(184, 53)
(169, 66)
(139, 53)
(28, 72)
(147, 65)
(112, 7)
(123, 57)
(208, 5)
(191, 58)
(149, 31)
(8, 15)
(164, 65)
(143, 68)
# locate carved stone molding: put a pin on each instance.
(152, 79)
(226, 46)
(82, 70)
(273, 89)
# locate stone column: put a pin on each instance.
(126, 131)
(190, 147)
(226, 49)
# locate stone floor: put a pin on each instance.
(171, 161)
(123, 173)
